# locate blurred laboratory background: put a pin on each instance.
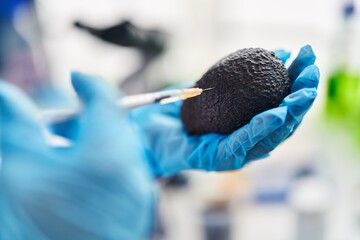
(308, 189)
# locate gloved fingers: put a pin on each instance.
(92, 92)
(100, 107)
(65, 128)
(269, 143)
(172, 109)
(298, 103)
(91, 89)
(306, 57)
(308, 78)
(282, 55)
(263, 124)
(264, 147)
(18, 122)
(147, 116)
(260, 151)
(15, 105)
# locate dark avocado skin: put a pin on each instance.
(245, 83)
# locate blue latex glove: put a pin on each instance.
(170, 149)
(97, 188)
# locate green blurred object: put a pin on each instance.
(343, 100)
(343, 86)
(343, 94)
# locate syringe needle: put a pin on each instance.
(132, 101)
(186, 93)
(207, 89)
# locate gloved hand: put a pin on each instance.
(170, 149)
(97, 188)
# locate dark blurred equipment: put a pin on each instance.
(158, 232)
(176, 182)
(217, 222)
(126, 34)
(151, 43)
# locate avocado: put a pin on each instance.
(244, 84)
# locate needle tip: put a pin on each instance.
(207, 89)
